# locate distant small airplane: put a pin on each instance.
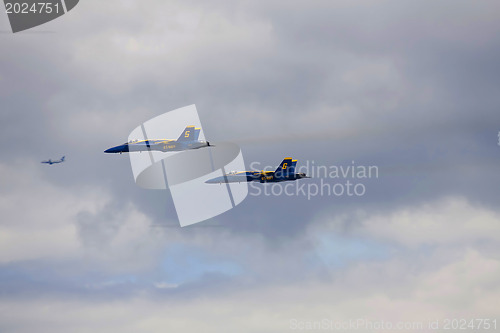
(54, 162)
(187, 140)
(286, 171)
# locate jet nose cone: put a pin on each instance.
(113, 150)
(214, 180)
(117, 149)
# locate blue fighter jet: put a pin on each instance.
(54, 162)
(286, 171)
(187, 140)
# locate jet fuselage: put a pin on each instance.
(157, 145)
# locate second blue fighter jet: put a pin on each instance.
(286, 171)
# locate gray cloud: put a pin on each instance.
(407, 86)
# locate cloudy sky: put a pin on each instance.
(408, 86)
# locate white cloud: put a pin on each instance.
(37, 216)
(470, 282)
(449, 292)
(47, 222)
(400, 287)
(452, 220)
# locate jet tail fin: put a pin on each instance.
(188, 134)
(284, 168)
(62, 158)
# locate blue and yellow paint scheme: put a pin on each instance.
(187, 140)
(285, 171)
